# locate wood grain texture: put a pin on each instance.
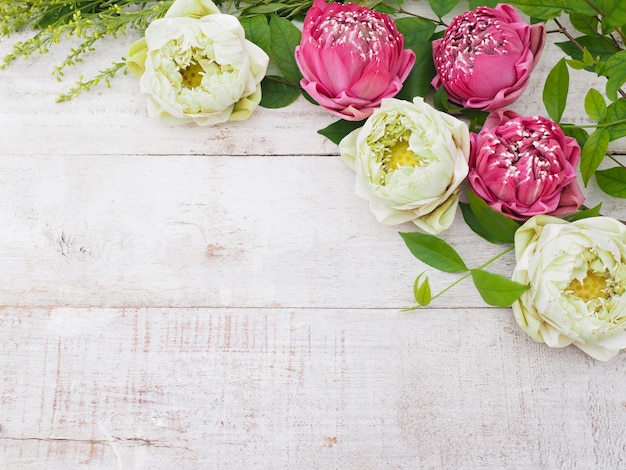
(191, 298)
(300, 388)
(202, 232)
(191, 231)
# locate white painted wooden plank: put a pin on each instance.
(299, 388)
(200, 231)
(208, 231)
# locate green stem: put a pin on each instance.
(610, 155)
(462, 278)
(469, 273)
(596, 126)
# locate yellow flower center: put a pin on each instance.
(192, 75)
(400, 155)
(593, 287)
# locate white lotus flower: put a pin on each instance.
(577, 277)
(197, 68)
(409, 160)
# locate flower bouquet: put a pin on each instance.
(425, 120)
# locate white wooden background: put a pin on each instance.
(191, 298)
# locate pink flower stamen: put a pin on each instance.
(365, 31)
(468, 36)
(527, 153)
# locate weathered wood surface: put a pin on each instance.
(186, 297)
(299, 388)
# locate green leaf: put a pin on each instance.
(339, 129)
(578, 6)
(581, 6)
(416, 31)
(440, 99)
(583, 214)
(276, 93)
(595, 106)
(490, 224)
(576, 64)
(257, 31)
(605, 27)
(418, 83)
(496, 289)
(417, 37)
(421, 291)
(434, 252)
(588, 59)
(442, 7)
(487, 3)
(266, 9)
(284, 37)
(612, 181)
(615, 69)
(596, 45)
(616, 113)
(51, 16)
(477, 228)
(544, 10)
(614, 11)
(441, 102)
(555, 90)
(578, 133)
(387, 10)
(593, 153)
(584, 23)
(476, 117)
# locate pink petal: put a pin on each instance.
(405, 64)
(374, 81)
(311, 63)
(491, 74)
(571, 199)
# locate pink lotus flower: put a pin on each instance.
(524, 166)
(351, 57)
(486, 55)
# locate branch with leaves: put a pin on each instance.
(596, 46)
(494, 288)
